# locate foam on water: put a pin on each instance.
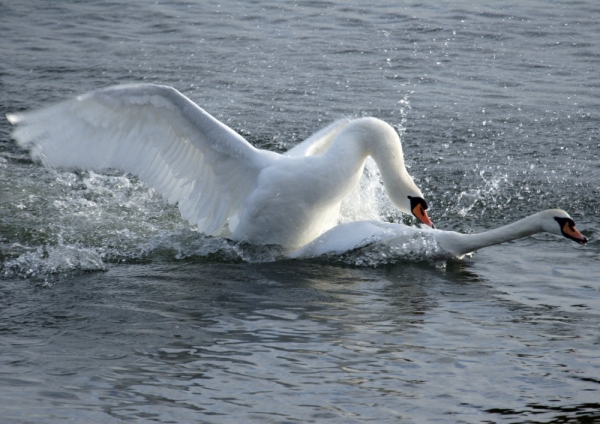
(417, 247)
(91, 219)
(43, 261)
(85, 220)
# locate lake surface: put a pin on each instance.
(114, 309)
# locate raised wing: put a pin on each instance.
(319, 142)
(156, 133)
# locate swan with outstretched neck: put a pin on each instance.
(218, 179)
(357, 235)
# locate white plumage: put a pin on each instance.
(355, 235)
(212, 173)
(215, 176)
(157, 134)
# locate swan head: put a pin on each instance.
(559, 222)
(418, 207)
(567, 228)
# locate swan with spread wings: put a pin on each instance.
(211, 172)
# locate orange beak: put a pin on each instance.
(571, 232)
(422, 216)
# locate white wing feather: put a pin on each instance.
(158, 134)
(319, 142)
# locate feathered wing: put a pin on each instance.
(319, 142)
(154, 132)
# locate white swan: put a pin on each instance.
(214, 174)
(355, 235)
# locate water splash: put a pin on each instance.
(415, 247)
(491, 195)
(83, 221)
(188, 244)
(43, 261)
(368, 201)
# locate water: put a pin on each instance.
(113, 309)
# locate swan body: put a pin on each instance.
(218, 179)
(356, 235)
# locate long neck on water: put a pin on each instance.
(460, 244)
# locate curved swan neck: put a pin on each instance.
(460, 244)
(375, 138)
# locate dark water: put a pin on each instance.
(113, 309)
